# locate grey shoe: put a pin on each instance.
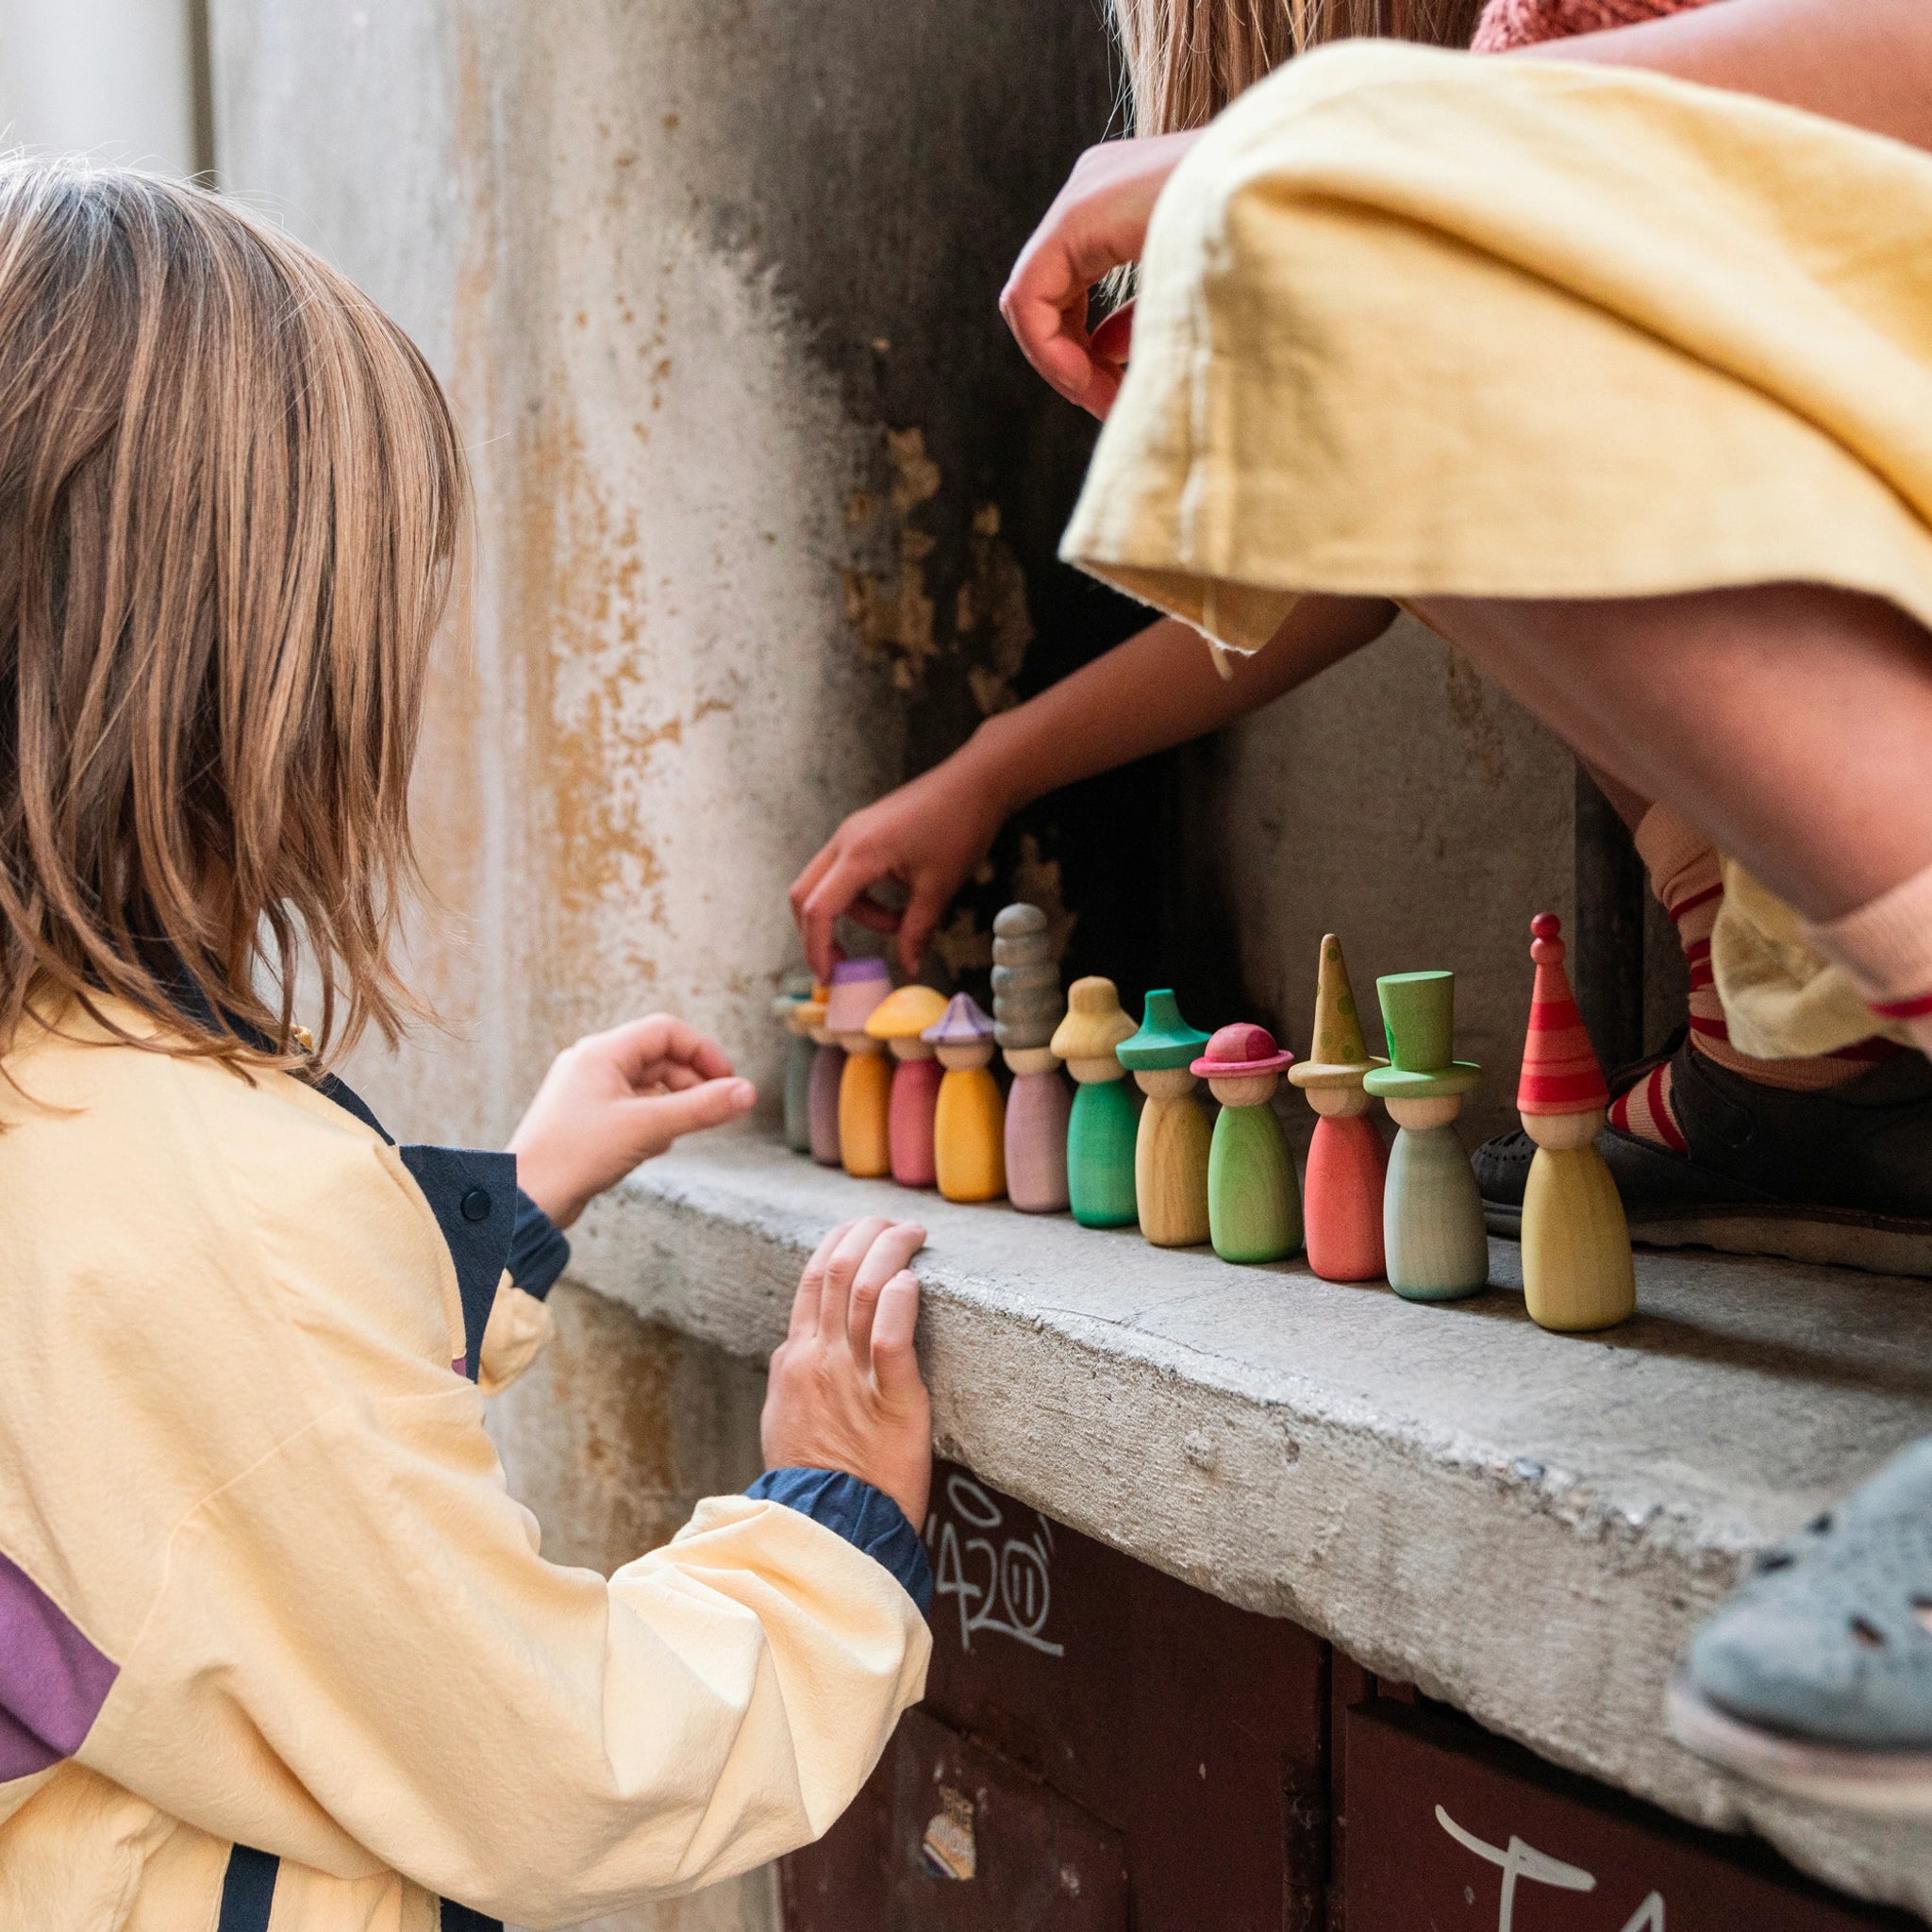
(1816, 1676)
(1841, 1177)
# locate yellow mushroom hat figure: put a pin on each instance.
(899, 1020)
(1100, 1128)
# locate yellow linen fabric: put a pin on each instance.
(1418, 324)
(233, 1454)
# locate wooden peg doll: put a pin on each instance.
(865, 1081)
(1254, 1204)
(1102, 1127)
(827, 1075)
(1347, 1162)
(799, 1054)
(1171, 1149)
(1577, 1271)
(899, 1020)
(969, 1124)
(1436, 1247)
(1028, 1005)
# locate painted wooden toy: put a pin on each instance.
(827, 1073)
(799, 1054)
(1347, 1161)
(1433, 1238)
(969, 1124)
(1254, 1204)
(1171, 1149)
(1028, 1005)
(865, 1082)
(1102, 1127)
(1577, 1271)
(899, 1020)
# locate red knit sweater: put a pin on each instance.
(1521, 23)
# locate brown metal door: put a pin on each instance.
(1189, 1731)
(1449, 1830)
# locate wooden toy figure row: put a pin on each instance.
(1412, 1215)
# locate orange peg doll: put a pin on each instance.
(1577, 1271)
(865, 1082)
(1347, 1161)
(969, 1127)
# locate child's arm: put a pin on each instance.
(1866, 62)
(346, 1650)
(1159, 689)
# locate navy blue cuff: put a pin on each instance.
(538, 1251)
(867, 1518)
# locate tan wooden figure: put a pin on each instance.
(1577, 1270)
(865, 1082)
(1171, 1151)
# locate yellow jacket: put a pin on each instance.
(261, 1584)
(1422, 325)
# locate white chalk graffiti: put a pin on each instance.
(1017, 1590)
(1520, 1860)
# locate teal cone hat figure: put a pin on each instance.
(1171, 1146)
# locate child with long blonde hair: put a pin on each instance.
(274, 1637)
(1613, 367)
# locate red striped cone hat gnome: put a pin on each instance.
(1560, 1074)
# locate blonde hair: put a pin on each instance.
(231, 494)
(1185, 59)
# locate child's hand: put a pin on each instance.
(615, 1099)
(1098, 222)
(845, 1391)
(928, 835)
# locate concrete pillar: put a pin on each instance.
(122, 81)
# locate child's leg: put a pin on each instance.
(1792, 723)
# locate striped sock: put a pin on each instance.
(1686, 876)
(1886, 947)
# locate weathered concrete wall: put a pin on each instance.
(766, 513)
(1408, 805)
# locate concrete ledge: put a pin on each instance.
(1526, 1525)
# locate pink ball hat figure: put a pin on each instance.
(899, 1020)
(1254, 1205)
(1347, 1161)
(1577, 1270)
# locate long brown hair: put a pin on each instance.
(1185, 59)
(230, 498)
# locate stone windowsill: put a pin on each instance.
(1526, 1525)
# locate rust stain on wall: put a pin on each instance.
(893, 613)
(990, 614)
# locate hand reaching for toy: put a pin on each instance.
(845, 1392)
(1097, 222)
(928, 835)
(615, 1099)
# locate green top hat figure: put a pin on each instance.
(1254, 1203)
(1171, 1147)
(1432, 1216)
